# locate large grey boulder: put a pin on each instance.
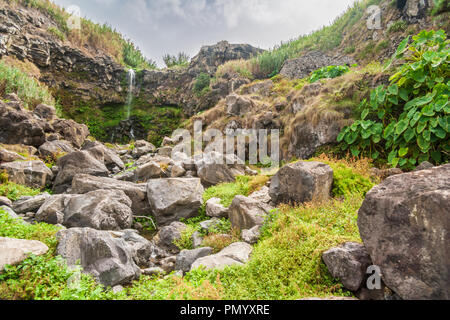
(187, 257)
(349, 263)
(248, 212)
(52, 210)
(215, 168)
(34, 174)
(100, 254)
(53, 149)
(9, 156)
(100, 209)
(14, 251)
(79, 162)
(4, 201)
(404, 224)
(302, 182)
(215, 209)
(141, 249)
(251, 236)
(29, 204)
(167, 235)
(174, 198)
(150, 170)
(142, 147)
(237, 253)
(238, 105)
(110, 158)
(83, 183)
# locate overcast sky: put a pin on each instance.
(170, 26)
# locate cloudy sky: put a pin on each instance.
(171, 26)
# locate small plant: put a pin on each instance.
(14, 191)
(180, 60)
(329, 72)
(185, 241)
(398, 26)
(4, 176)
(408, 121)
(349, 50)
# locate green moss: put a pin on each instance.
(14, 191)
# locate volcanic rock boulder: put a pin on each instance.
(105, 257)
(215, 168)
(302, 182)
(174, 198)
(84, 183)
(237, 253)
(14, 251)
(53, 149)
(349, 263)
(187, 257)
(404, 223)
(80, 162)
(34, 174)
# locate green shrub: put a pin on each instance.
(329, 72)
(408, 121)
(180, 60)
(185, 241)
(346, 182)
(227, 191)
(398, 26)
(14, 191)
(201, 83)
(134, 58)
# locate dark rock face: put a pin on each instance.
(211, 57)
(302, 67)
(404, 224)
(302, 182)
(100, 254)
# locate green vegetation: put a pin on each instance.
(440, 6)
(408, 121)
(329, 72)
(201, 84)
(134, 58)
(398, 26)
(14, 191)
(181, 60)
(29, 90)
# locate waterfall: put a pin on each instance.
(131, 82)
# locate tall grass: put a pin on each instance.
(29, 90)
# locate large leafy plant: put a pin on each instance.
(407, 122)
(329, 72)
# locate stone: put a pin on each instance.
(4, 201)
(52, 210)
(187, 257)
(106, 258)
(261, 87)
(215, 168)
(237, 253)
(404, 225)
(301, 182)
(10, 212)
(75, 163)
(55, 149)
(167, 235)
(45, 112)
(150, 170)
(140, 248)
(33, 174)
(246, 213)
(29, 204)
(110, 158)
(14, 251)
(215, 210)
(208, 225)
(71, 131)
(302, 67)
(349, 263)
(165, 151)
(142, 147)
(177, 171)
(174, 198)
(100, 209)
(197, 240)
(251, 236)
(154, 271)
(238, 105)
(83, 183)
(424, 166)
(9, 156)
